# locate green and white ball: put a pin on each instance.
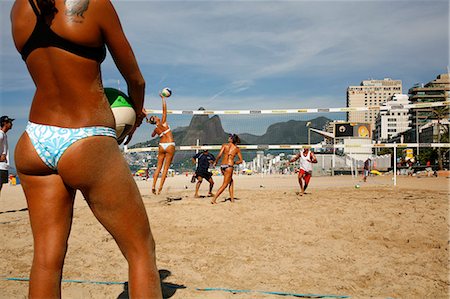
(357, 186)
(166, 92)
(123, 111)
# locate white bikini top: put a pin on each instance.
(165, 132)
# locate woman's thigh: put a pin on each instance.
(161, 156)
(227, 175)
(49, 199)
(96, 166)
(170, 152)
(50, 206)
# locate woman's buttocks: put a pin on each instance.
(166, 139)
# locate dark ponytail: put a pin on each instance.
(235, 139)
(47, 8)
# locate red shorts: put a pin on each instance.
(305, 174)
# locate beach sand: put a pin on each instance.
(376, 241)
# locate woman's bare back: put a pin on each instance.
(69, 90)
(229, 153)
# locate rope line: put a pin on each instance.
(274, 293)
(197, 289)
(70, 280)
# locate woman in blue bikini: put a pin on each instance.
(228, 151)
(70, 144)
(166, 148)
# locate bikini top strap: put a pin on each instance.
(164, 133)
(35, 9)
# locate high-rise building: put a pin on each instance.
(437, 90)
(392, 119)
(372, 94)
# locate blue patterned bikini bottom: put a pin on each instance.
(51, 142)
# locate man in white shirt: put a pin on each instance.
(307, 158)
(5, 125)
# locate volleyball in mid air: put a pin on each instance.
(166, 92)
(123, 111)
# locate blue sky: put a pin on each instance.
(258, 54)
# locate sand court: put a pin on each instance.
(377, 241)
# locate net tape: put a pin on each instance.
(295, 111)
(302, 110)
(293, 146)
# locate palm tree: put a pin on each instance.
(441, 113)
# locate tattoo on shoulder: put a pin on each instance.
(76, 8)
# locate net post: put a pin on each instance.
(395, 163)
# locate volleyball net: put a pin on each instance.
(272, 135)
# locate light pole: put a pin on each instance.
(417, 132)
(309, 132)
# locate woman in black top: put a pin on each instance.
(69, 142)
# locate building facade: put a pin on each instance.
(393, 119)
(372, 94)
(437, 90)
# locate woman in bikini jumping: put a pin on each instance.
(166, 148)
(229, 152)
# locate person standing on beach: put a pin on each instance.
(203, 160)
(366, 169)
(229, 151)
(5, 125)
(70, 140)
(307, 158)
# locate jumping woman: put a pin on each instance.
(166, 148)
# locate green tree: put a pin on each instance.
(427, 154)
(441, 113)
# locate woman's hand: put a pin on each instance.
(130, 135)
(139, 118)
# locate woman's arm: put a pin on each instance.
(123, 56)
(164, 108)
(220, 154)
(239, 154)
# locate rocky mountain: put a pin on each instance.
(290, 132)
(209, 130)
(201, 127)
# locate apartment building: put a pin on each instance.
(392, 119)
(372, 94)
(437, 90)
